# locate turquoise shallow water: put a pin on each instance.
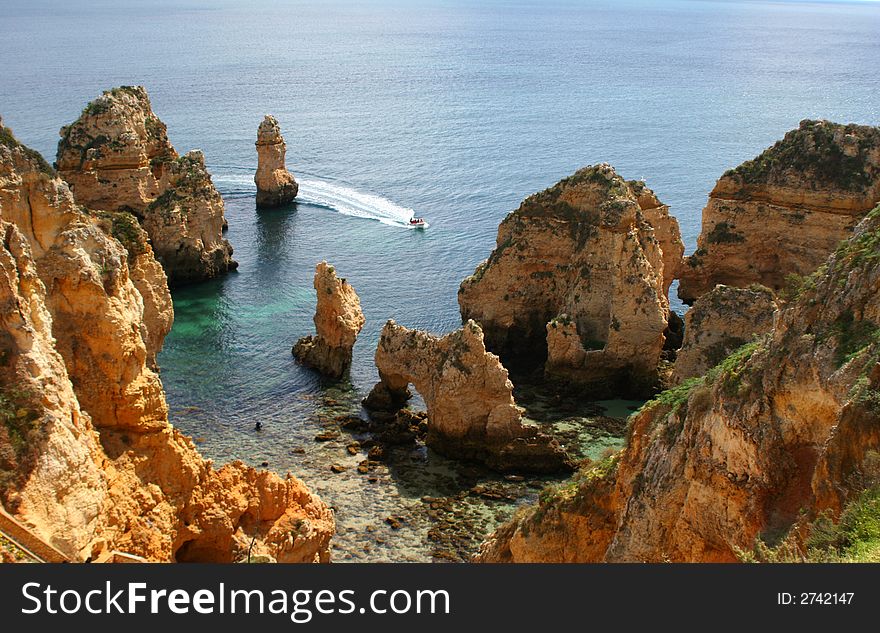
(456, 110)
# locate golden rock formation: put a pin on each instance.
(469, 398)
(720, 322)
(781, 433)
(785, 211)
(275, 185)
(87, 456)
(579, 278)
(117, 157)
(338, 321)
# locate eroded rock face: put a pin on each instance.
(720, 322)
(338, 321)
(785, 211)
(117, 157)
(87, 456)
(784, 429)
(578, 279)
(275, 185)
(471, 410)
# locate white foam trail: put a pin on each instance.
(352, 202)
(335, 197)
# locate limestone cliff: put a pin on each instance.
(275, 185)
(87, 456)
(720, 322)
(469, 398)
(117, 157)
(783, 432)
(783, 212)
(578, 278)
(338, 321)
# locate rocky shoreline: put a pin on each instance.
(764, 414)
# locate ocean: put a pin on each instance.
(453, 111)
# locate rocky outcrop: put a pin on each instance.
(338, 321)
(469, 398)
(785, 211)
(720, 322)
(275, 185)
(784, 431)
(88, 459)
(117, 157)
(578, 280)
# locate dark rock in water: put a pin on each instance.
(383, 400)
(326, 436)
(394, 522)
(352, 423)
(353, 448)
(338, 468)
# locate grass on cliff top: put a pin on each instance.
(729, 371)
(863, 248)
(588, 475)
(811, 151)
(101, 105)
(546, 203)
(8, 139)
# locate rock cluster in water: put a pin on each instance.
(275, 185)
(116, 157)
(469, 398)
(88, 459)
(338, 321)
(578, 281)
(783, 212)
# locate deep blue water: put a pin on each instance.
(456, 110)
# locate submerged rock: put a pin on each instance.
(578, 281)
(785, 211)
(89, 460)
(776, 440)
(720, 322)
(338, 321)
(117, 157)
(275, 185)
(471, 411)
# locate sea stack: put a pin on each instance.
(88, 459)
(785, 211)
(117, 157)
(275, 185)
(469, 398)
(338, 321)
(578, 281)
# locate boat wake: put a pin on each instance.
(327, 195)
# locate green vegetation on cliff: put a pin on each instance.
(7, 138)
(829, 154)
